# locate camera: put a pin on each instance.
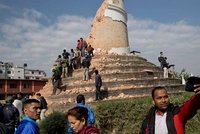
(191, 81)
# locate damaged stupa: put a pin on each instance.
(123, 75)
(109, 28)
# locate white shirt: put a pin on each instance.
(160, 124)
(18, 104)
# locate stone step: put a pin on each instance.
(136, 75)
(145, 90)
(102, 60)
(128, 91)
(124, 62)
(120, 57)
(120, 69)
(143, 82)
(132, 68)
(155, 71)
(120, 75)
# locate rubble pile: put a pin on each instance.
(118, 81)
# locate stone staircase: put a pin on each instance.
(123, 76)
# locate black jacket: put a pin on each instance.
(43, 103)
(149, 121)
(10, 117)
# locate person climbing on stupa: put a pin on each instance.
(83, 47)
(98, 84)
(90, 50)
(79, 44)
(65, 63)
(86, 65)
(56, 79)
(58, 61)
(77, 58)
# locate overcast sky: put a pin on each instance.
(36, 31)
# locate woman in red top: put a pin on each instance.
(79, 44)
(77, 117)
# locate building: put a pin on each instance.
(14, 79)
(13, 86)
(9, 71)
(34, 74)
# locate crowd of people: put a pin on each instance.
(77, 58)
(69, 61)
(162, 118)
(19, 114)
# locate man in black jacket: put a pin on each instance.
(3, 128)
(166, 118)
(10, 115)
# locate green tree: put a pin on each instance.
(55, 123)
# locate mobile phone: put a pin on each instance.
(191, 81)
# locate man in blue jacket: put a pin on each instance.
(80, 99)
(31, 109)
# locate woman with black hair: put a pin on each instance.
(77, 117)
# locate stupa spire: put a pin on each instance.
(109, 28)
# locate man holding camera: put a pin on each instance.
(165, 118)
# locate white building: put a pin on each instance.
(9, 71)
(17, 73)
(34, 74)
